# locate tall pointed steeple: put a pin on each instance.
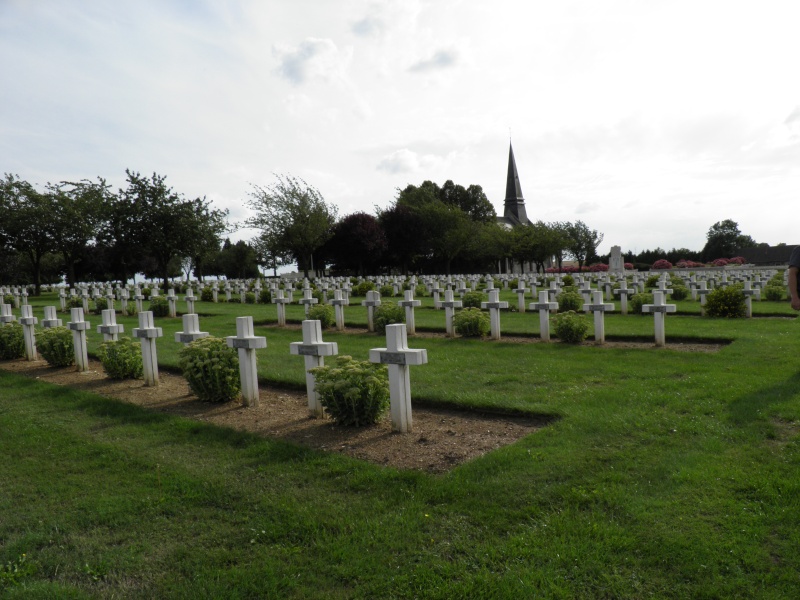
(515, 203)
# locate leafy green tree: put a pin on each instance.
(582, 242)
(724, 239)
(77, 219)
(402, 226)
(162, 225)
(294, 214)
(269, 253)
(358, 241)
(27, 225)
(237, 261)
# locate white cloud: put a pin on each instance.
(313, 58)
(441, 59)
(406, 161)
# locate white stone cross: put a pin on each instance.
(110, 297)
(599, 309)
(449, 311)
(702, 291)
(436, 290)
(5, 314)
(314, 350)
(623, 292)
(62, 298)
(662, 287)
(520, 292)
(372, 301)
(78, 327)
(748, 292)
(191, 329)
(190, 299)
(544, 306)
(338, 304)
(399, 358)
(280, 302)
(28, 321)
(659, 309)
(147, 334)
(138, 297)
(246, 342)
(494, 305)
(172, 300)
(123, 299)
(308, 300)
(109, 328)
(85, 298)
(409, 304)
(50, 319)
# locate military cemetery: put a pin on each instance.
(415, 380)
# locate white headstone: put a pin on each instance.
(313, 349)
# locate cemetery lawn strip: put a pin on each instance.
(670, 475)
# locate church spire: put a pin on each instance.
(514, 203)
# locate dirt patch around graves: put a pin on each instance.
(441, 439)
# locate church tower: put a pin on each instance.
(514, 213)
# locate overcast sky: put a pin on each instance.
(649, 120)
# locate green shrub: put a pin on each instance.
(472, 322)
(55, 346)
(250, 298)
(130, 311)
(568, 280)
(74, 302)
(265, 296)
(420, 291)
(637, 301)
(387, 291)
(514, 284)
(206, 295)
(726, 302)
(652, 281)
(100, 304)
(679, 292)
(388, 314)
(571, 327)
(472, 300)
(121, 359)
(569, 301)
(147, 292)
(211, 369)
(8, 299)
(362, 288)
(353, 392)
(12, 341)
(774, 293)
(323, 313)
(159, 306)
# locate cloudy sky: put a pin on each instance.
(649, 120)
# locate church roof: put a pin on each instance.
(514, 212)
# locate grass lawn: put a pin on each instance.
(668, 475)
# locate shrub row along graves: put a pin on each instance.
(585, 292)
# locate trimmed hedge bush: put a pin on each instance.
(249, 298)
(206, 295)
(472, 300)
(420, 291)
(55, 346)
(100, 304)
(387, 291)
(354, 393)
(571, 327)
(159, 306)
(362, 288)
(323, 313)
(121, 359)
(472, 322)
(12, 342)
(388, 314)
(569, 301)
(639, 300)
(728, 302)
(73, 302)
(774, 293)
(679, 292)
(265, 296)
(211, 369)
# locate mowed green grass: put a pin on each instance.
(667, 474)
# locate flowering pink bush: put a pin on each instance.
(689, 264)
(737, 260)
(628, 266)
(598, 267)
(662, 263)
(720, 262)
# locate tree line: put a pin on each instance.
(85, 231)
